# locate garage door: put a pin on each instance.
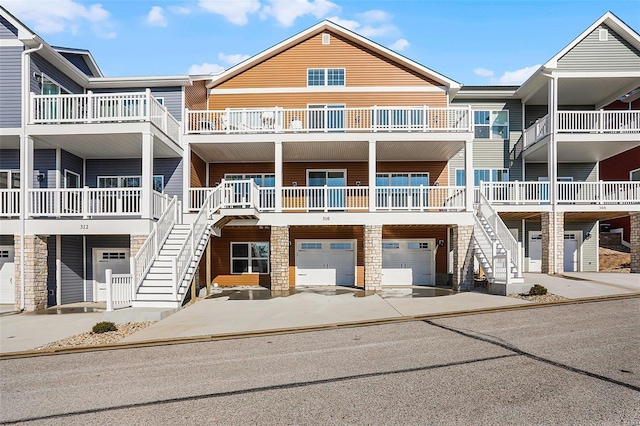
(115, 259)
(325, 263)
(408, 262)
(7, 273)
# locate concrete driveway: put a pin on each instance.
(575, 285)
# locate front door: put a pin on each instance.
(333, 196)
(571, 243)
(7, 275)
(535, 252)
(116, 259)
(326, 117)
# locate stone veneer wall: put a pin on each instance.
(373, 257)
(635, 243)
(35, 272)
(135, 242)
(279, 258)
(462, 258)
(547, 243)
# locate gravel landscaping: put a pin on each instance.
(90, 338)
(539, 299)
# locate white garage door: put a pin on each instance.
(535, 252)
(116, 259)
(408, 262)
(571, 252)
(7, 275)
(325, 263)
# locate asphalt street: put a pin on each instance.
(572, 364)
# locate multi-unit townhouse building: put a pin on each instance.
(326, 159)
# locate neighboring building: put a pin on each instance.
(324, 160)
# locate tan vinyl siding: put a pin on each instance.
(195, 96)
(437, 169)
(350, 100)
(409, 232)
(198, 172)
(363, 66)
(591, 54)
(297, 172)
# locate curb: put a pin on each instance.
(306, 329)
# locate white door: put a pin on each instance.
(571, 241)
(408, 262)
(535, 252)
(7, 275)
(116, 259)
(325, 263)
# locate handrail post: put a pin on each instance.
(520, 260)
(148, 103)
(109, 284)
(134, 278)
(90, 106)
(326, 199)
(85, 202)
(32, 107)
(374, 121)
(174, 267)
(508, 267)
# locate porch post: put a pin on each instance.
(468, 174)
(552, 163)
(635, 242)
(147, 176)
(278, 173)
(372, 175)
(26, 174)
(186, 177)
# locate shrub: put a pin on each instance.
(537, 290)
(103, 327)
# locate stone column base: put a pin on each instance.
(35, 272)
(373, 257)
(552, 260)
(462, 258)
(279, 258)
(635, 243)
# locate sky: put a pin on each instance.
(474, 42)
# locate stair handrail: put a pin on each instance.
(479, 233)
(142, 261)
(481, 236)
(501, 231)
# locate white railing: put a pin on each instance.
(160, 202)
(537, 131)
(328, 119)
(602, 192)
(599, 121)
(516, 192)
(143, 259)
(498, 265)
(325, 198)
(420, 198)
(9, 202)
(501, 268)
(85, 202)
(119, 290)
(103, 108)
(502, 233)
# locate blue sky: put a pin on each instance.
(473, 42)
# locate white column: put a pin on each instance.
(552, 163)
(468, 174)
(147, 175)
(26, 174)
(278, 173)
(372, 175)
(186, 177)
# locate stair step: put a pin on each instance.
(155, 304)
(157, 297)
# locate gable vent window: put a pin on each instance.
(326, 38)
(603, 34)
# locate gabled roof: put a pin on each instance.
(452, 85)
(85, 54)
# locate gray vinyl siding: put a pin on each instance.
(41, 65)
(172, 97)
(101, 241)
(6, 240)
(71, 269)
(10, 93)
(71, 162)
(591, 54)
(79, 62)
(44, 162)
(171, 169)
(10, 159)
(7, 30)
(580, 172)
(51, 271)
(589, 248)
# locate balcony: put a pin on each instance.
(245, 194)
(329, 119)
(103, 108)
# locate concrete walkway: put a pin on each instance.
(258, 310)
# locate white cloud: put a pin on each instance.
(483, 72)
(236, 11)
(156, 17)
(233, 58)
(49, 17)
(180, 10)
(205, 68)
(287, 11)
(372, 23)
(517, 76)
(400, 44)
(374, 15)
(347, 23)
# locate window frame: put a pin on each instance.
(250, 176)
(10, 173)
(409, 176)
(489, 126)
(325, 77)
(68, 172)
(121, 177)
(491, 172)
(250, 258)
(631, 172)
(61, 88)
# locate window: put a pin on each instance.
(113, 255)
(50, 87)
(326, 77)
(402, 179)
(390, 246)
(484, 175)
(326, 38)
(9, 179)
(71, 179)
(340, 246)
(311, 246)
(265, 180)
(417, 246)
(491, 124)
(634, 175)
(250, 258)
(129, 182)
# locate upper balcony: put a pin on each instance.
(329, 119)
(583, 136)
(91, 108)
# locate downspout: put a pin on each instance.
(26, 75)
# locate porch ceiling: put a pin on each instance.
(568, 216)
(418, 150)
(122, 145)
(573, 148)
(585, 90)
(235, 152)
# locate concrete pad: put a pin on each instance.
(585, 284)
(452, 303)
(26, 331)
(221, 316)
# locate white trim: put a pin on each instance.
(58, 270)
(327, 171)
(11, 42)
(596, 74)
(249, 257)
(71, 172)
(127, 82)
(354, 242)
(631, 172)
(60, 86)
(329, 89)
